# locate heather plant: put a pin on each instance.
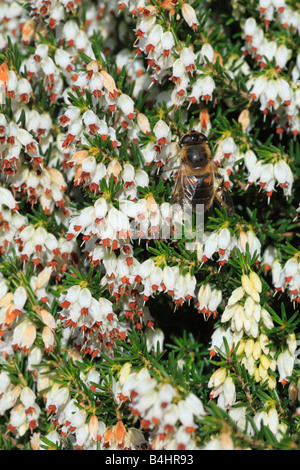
(117, 330)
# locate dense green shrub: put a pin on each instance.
(112, 334)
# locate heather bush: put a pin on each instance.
(117, 331)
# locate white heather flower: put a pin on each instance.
(91, 120)
(27, 397)
(266, 174)
(141, 178)
(196, 91)
(56, 398)
(217, 378)
(4, 382)
(143, 123)
(210, 246)
(96, 85)
(43, 277)
(154, 37)
(71, 115)
(291, 342)
(229, 147)
(271, 92)
(169, 278)
(24, 336)
(206, 52)
(207, 87)
(155, 339)
(261, 418)
(34, 358)
(250, 288)
(166, 394)
(167, 42)
(189, 15)
(70, 31)
(145, 25)
(285, 365)
(256, 282)
(93, 377)
(223, 240)
(81, 434)
(191, 283)
(196, 404)
(250, 28)
(285, 92)
(20, 297)
(17, 418)
(273, 420)
(12, 84)
(126, 104)
(41, 52)
(282, 173)
(24, 90)
(279, 5)
(48, 338)
(178, 72)
(56, 14)
(215, 301)
(7, 199)
(257, 87)
(204, 296)
(264, 4)
(188, 58)
(229, 392)
(162, 133)
(185, 414)
(267, 319)
(124, 373)
(217, 340)
(63, 59)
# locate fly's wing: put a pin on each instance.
(222, 196)
(184, 188)
(177, 188)
(190, 184)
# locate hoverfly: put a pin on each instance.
(198, 180)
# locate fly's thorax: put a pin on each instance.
(196, 156)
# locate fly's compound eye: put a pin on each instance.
(202, 137)
(193, 137)
(186, 139)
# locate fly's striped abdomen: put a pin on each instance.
(199, 189)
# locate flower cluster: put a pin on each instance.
(87, 431)
(269, 175)
(208, 300)
(247, 321)
(104, 284)
(223, 242)
(169, 61)
(275, 94)
(169, 419)
(94, 321)
(287, 278)
(24, 411)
